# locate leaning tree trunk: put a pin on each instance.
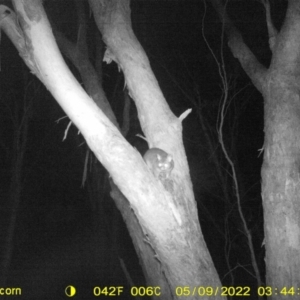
(169, 240)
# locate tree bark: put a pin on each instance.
(162, 130)
(279, 85)
(170, 240)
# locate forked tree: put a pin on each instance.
(279, 85)
(161, 213)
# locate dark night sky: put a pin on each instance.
(54, 211)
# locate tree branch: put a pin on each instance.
(240, 50)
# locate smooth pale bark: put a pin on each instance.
(163, 130)
(168, 219)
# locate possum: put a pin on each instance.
(159, 163)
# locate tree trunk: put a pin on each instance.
(165, 221)
(281, 181)
(280, 88)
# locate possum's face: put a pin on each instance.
(165, 164)
(159, 162)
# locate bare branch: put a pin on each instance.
(272, 32)
(240, 50)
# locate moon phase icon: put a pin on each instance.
(70, 291)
